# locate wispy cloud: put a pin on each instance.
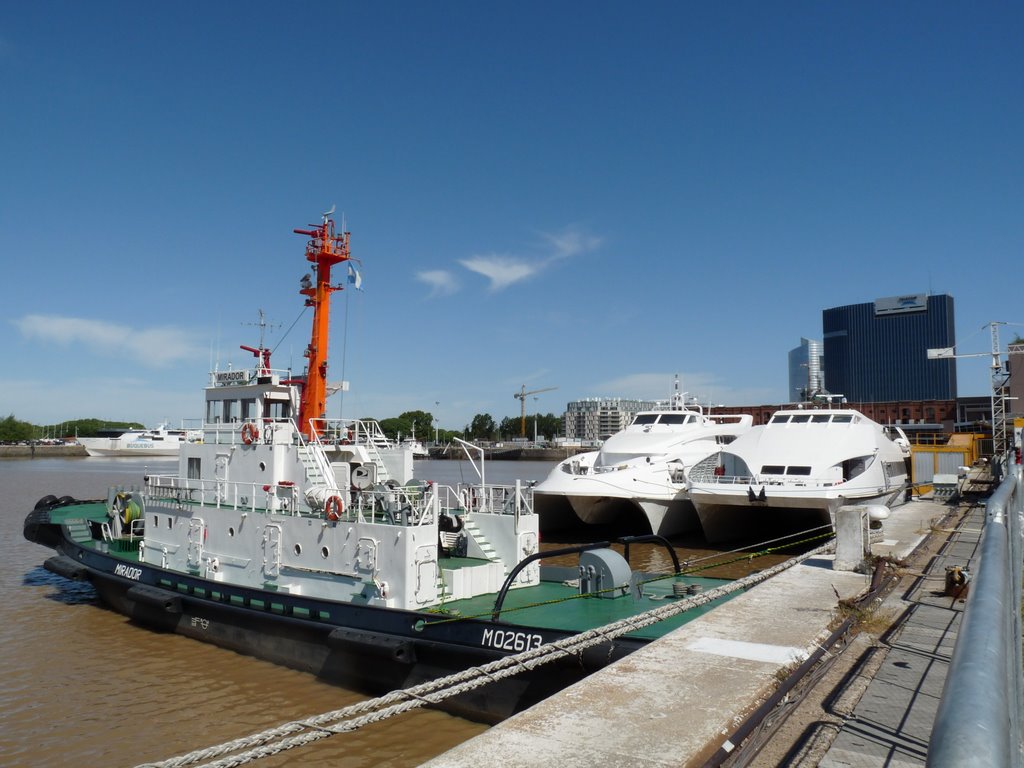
(441, 281)
(152, 347)
(504, 270)
(569, 242)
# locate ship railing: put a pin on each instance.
(800, 481)
(366, 432)
(516, 499)
(280, 498)
(268, 430)
(413, 505)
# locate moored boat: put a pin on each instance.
(160, 441)
(637, 478)
(306, 541)
(794, 472)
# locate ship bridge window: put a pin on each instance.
(275, 409)
(249, 409)
(777, 419)
(801, 418)
(820, 418)
(213, 411)
(672, 418)
(773, 469)
(645, 418)
(842, 419)
(805, 471)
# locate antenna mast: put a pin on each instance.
(324, 250)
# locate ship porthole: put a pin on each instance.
(325, 552)
(298, 549)
(231, 531)
(263, 466)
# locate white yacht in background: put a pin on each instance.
(638, 476)
(139, 442)
(794, 472)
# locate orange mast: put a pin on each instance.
(324, 250)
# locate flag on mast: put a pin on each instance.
(354, 278)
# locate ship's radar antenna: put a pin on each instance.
(261, 353)
(263, 326)
(327, 214)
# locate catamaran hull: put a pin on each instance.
(665, 517)
(371, 649)
(136, 452)
(728, 514)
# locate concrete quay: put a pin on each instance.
(42, 451)
(675, 702)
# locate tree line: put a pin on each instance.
(481, 427)
(14, 430)
(421, 423)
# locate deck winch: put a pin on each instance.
(604, 573)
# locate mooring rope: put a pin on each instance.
(355, 716)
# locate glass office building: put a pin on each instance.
(805, 374)
(878, 351)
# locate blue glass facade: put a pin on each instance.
(878, 351)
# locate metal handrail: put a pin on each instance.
(978, 723)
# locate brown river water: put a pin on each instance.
(83, 686)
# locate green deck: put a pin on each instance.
(554, 605)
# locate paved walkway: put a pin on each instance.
(891, 724)
(674, 702)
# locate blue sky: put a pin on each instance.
(591, 196)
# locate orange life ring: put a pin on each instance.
(250, 433)
(333, 508)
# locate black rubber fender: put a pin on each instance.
(66, 567)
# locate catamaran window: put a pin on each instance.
(856, 466)
(801, 418)
(842, 419)
(672, 418)
(773, 469)
(777, 419)
(806, 471)
(821, 418)
(645, 418)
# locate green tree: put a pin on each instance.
(550, 426)
(482, 427)
(508, 428)
(12, 430)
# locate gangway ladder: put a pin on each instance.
(318, 471)
(373, 443)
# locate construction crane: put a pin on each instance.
(521, 396)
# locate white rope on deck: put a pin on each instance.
(355, 716)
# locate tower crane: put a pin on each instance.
(521, 396)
